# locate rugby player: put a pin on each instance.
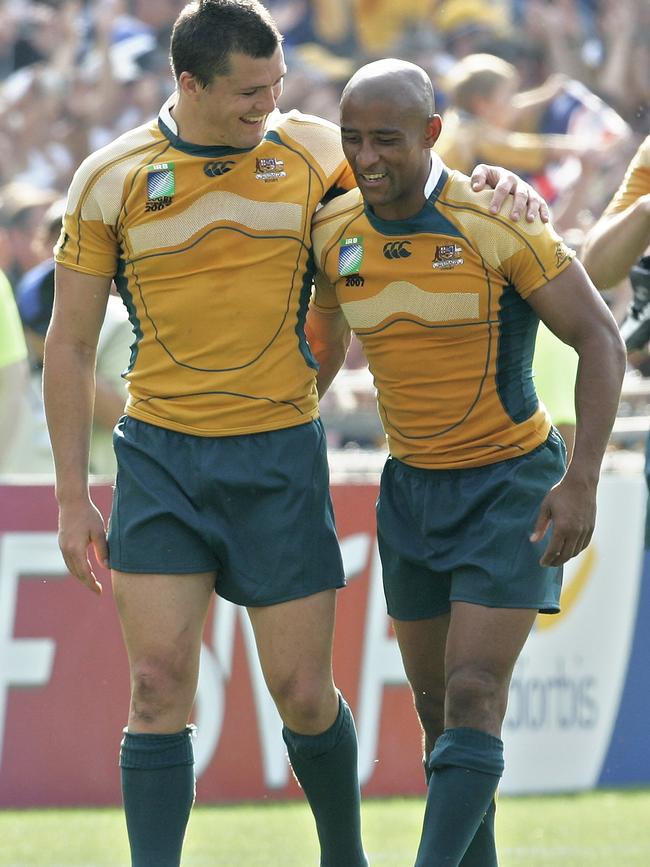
(477, 510)
(612, 246)
(203, 220)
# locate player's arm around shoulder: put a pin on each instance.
(570, 305)
(68, 391)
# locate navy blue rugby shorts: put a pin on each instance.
(254, 508)
(463, 535)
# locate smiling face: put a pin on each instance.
(232, 110)
(387, 134)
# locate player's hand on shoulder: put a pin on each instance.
(525, 199)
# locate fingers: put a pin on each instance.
(503, 186)
(520, 197)
(504, 183)
(479, 177)
(542, 524)
(100, 548)
(80, 568)
(80, 526)
(564, 547)
(553, 557)
(536, 205)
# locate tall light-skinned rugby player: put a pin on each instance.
(202, 219)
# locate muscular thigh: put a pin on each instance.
(422, 645)
(162, 615)
(486, 639)
(294, 642)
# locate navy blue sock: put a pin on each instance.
(325, 765)
(482, 851)
(466, 767)
(158, 793)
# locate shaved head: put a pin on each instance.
(393, 80)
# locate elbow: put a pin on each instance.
(618, 352)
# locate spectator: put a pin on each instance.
(31, 452)
(488, 118)
(602, 43)
(22, 209)
(13, 367)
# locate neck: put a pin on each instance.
(190, 128)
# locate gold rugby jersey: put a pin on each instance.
(636, 182)
(210, 248)
(438, 302)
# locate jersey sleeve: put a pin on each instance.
(86, 242)
(324, 297)
(321, 139)
(540, 255)
(636, 182)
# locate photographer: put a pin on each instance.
(614, 248)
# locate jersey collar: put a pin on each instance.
(437, 167)
(424, 220)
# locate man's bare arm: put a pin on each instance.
(69, 390)
(572, 308)
(615, 243)
(328, 334)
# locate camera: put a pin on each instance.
(635, 328)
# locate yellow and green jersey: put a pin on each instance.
(438, 302)
(210, 250)
(636, 182)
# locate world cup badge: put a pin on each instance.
(350, 255)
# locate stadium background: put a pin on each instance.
(75, 74)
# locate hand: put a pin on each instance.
(505, 183)
(571, 510)
(81, 525)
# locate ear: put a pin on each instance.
(188, 85)
(433, 130)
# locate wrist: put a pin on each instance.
(71, 496)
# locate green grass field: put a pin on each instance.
(605, 828)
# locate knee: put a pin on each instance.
(475, 697)
(304, 702)
(158, 685)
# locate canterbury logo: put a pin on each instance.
(213, 170)
(397, 250)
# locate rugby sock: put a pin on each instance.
(467, 765)
(482, 851)
(158, 792)
(325, 765)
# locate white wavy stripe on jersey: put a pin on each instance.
(401, 297)
(217, 206)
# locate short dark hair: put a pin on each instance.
(207, 32)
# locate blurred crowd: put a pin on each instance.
(557, 91)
